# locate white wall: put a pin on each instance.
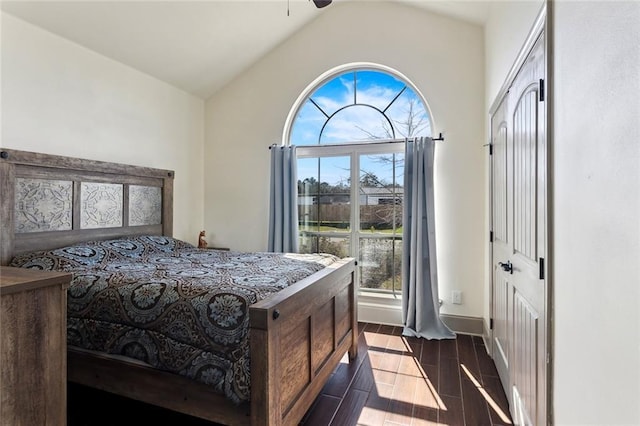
(507, 27)
(597, 213)
(60, 98)
(441, 56)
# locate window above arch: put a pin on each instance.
(360, 105)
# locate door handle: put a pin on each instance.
(507, 267)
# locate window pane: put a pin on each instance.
(309, 122)
(335, 94)
(324, 194)
(308, 190)
(381, 193)
(338, 246)
(377, 89)
(356, 123)
(380, 264)
(335, 194)
(409, 116)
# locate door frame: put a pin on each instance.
(543, 24)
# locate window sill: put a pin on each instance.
(373, 297)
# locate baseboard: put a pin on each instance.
(464, 325)
(391, 314)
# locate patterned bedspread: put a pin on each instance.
(171, 305)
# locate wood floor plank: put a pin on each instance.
(467, 354)
(401, 404)
(432, 373)
(375, 339)
(410, 366)
(386, 329)
(448, 348)
(476, 411)
(384, 377)
(449, 381)
(322, 411)
(430, 353)
(426, 402)
(397, 344)
(364, 380)
(350, 409)
(453, 413)
(424, 416)
(339, 382)
(376, 406)
(498, 405)
(414, 346)
(486, 364)
(391, 361)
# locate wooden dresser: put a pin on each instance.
(33, 347)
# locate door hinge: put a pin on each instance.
(490, 236)
(541, 265)
(490, 149)
(541, 90)
(490, 323)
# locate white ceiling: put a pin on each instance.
(198, 46)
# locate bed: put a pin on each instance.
(256, 335)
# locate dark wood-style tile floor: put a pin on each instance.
(394, 381)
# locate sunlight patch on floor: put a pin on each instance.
(486, 396)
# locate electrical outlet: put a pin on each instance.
(456, 297)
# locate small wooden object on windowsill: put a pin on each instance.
(33, 346)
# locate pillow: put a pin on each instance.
(62, 259)
(98, 253)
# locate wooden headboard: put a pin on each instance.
(49, 201)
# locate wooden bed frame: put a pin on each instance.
(297, 337)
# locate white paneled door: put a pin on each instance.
(519, 198)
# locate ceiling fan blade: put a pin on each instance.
(321, 3)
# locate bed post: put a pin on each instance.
(167, 204)
(7, 194)
(353, 301)
(263, 388)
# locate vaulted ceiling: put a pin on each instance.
(197, 46)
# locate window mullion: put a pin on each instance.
(355, 204)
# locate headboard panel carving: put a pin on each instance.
(49, 201)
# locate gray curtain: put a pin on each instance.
(420, 306)
(283, 210)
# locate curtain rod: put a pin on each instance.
(380, 141)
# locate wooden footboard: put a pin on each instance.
(298, 338)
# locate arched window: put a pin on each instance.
(347, 126)
(360, 105)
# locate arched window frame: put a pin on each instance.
(356, 234)
(351, 67)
